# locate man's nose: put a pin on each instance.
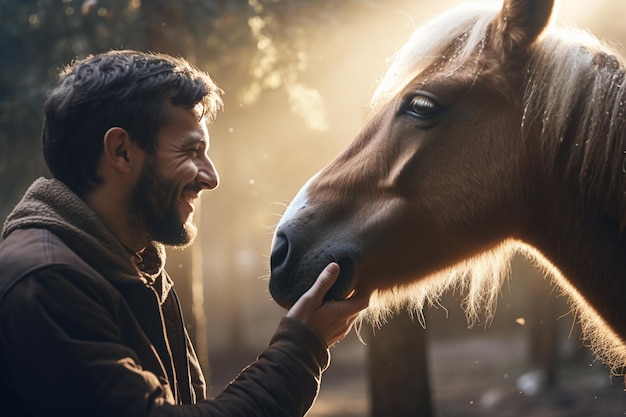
(208, 178)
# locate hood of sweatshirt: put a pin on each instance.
(50, 204)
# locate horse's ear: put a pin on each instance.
(519, 23)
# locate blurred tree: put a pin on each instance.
(397, 360)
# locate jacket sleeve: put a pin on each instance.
(283, 381)
(63, 352)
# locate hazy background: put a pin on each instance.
(297, 77)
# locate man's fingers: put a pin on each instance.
(331, 320)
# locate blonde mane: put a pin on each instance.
(573, 90)
(464, 26)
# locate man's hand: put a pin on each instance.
(332, 320)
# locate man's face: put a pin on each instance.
(170, 180)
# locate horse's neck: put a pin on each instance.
(590, 254)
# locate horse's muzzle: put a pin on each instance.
(293, 271)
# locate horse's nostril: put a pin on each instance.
(280, 251)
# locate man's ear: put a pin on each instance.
(119, 149)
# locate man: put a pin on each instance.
(89, 322)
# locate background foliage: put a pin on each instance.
(261, 45)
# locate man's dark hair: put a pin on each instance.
(126, 89)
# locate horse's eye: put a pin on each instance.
(423, 107)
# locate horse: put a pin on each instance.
(493, 132)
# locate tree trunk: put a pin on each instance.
(398, 369)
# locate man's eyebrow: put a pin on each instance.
(193, 139)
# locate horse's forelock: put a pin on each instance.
(447, 41)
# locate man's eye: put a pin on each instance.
(422, 107)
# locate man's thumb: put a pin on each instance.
(325, 280)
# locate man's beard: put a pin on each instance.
(154, 209)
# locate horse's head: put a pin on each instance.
(430, 179)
